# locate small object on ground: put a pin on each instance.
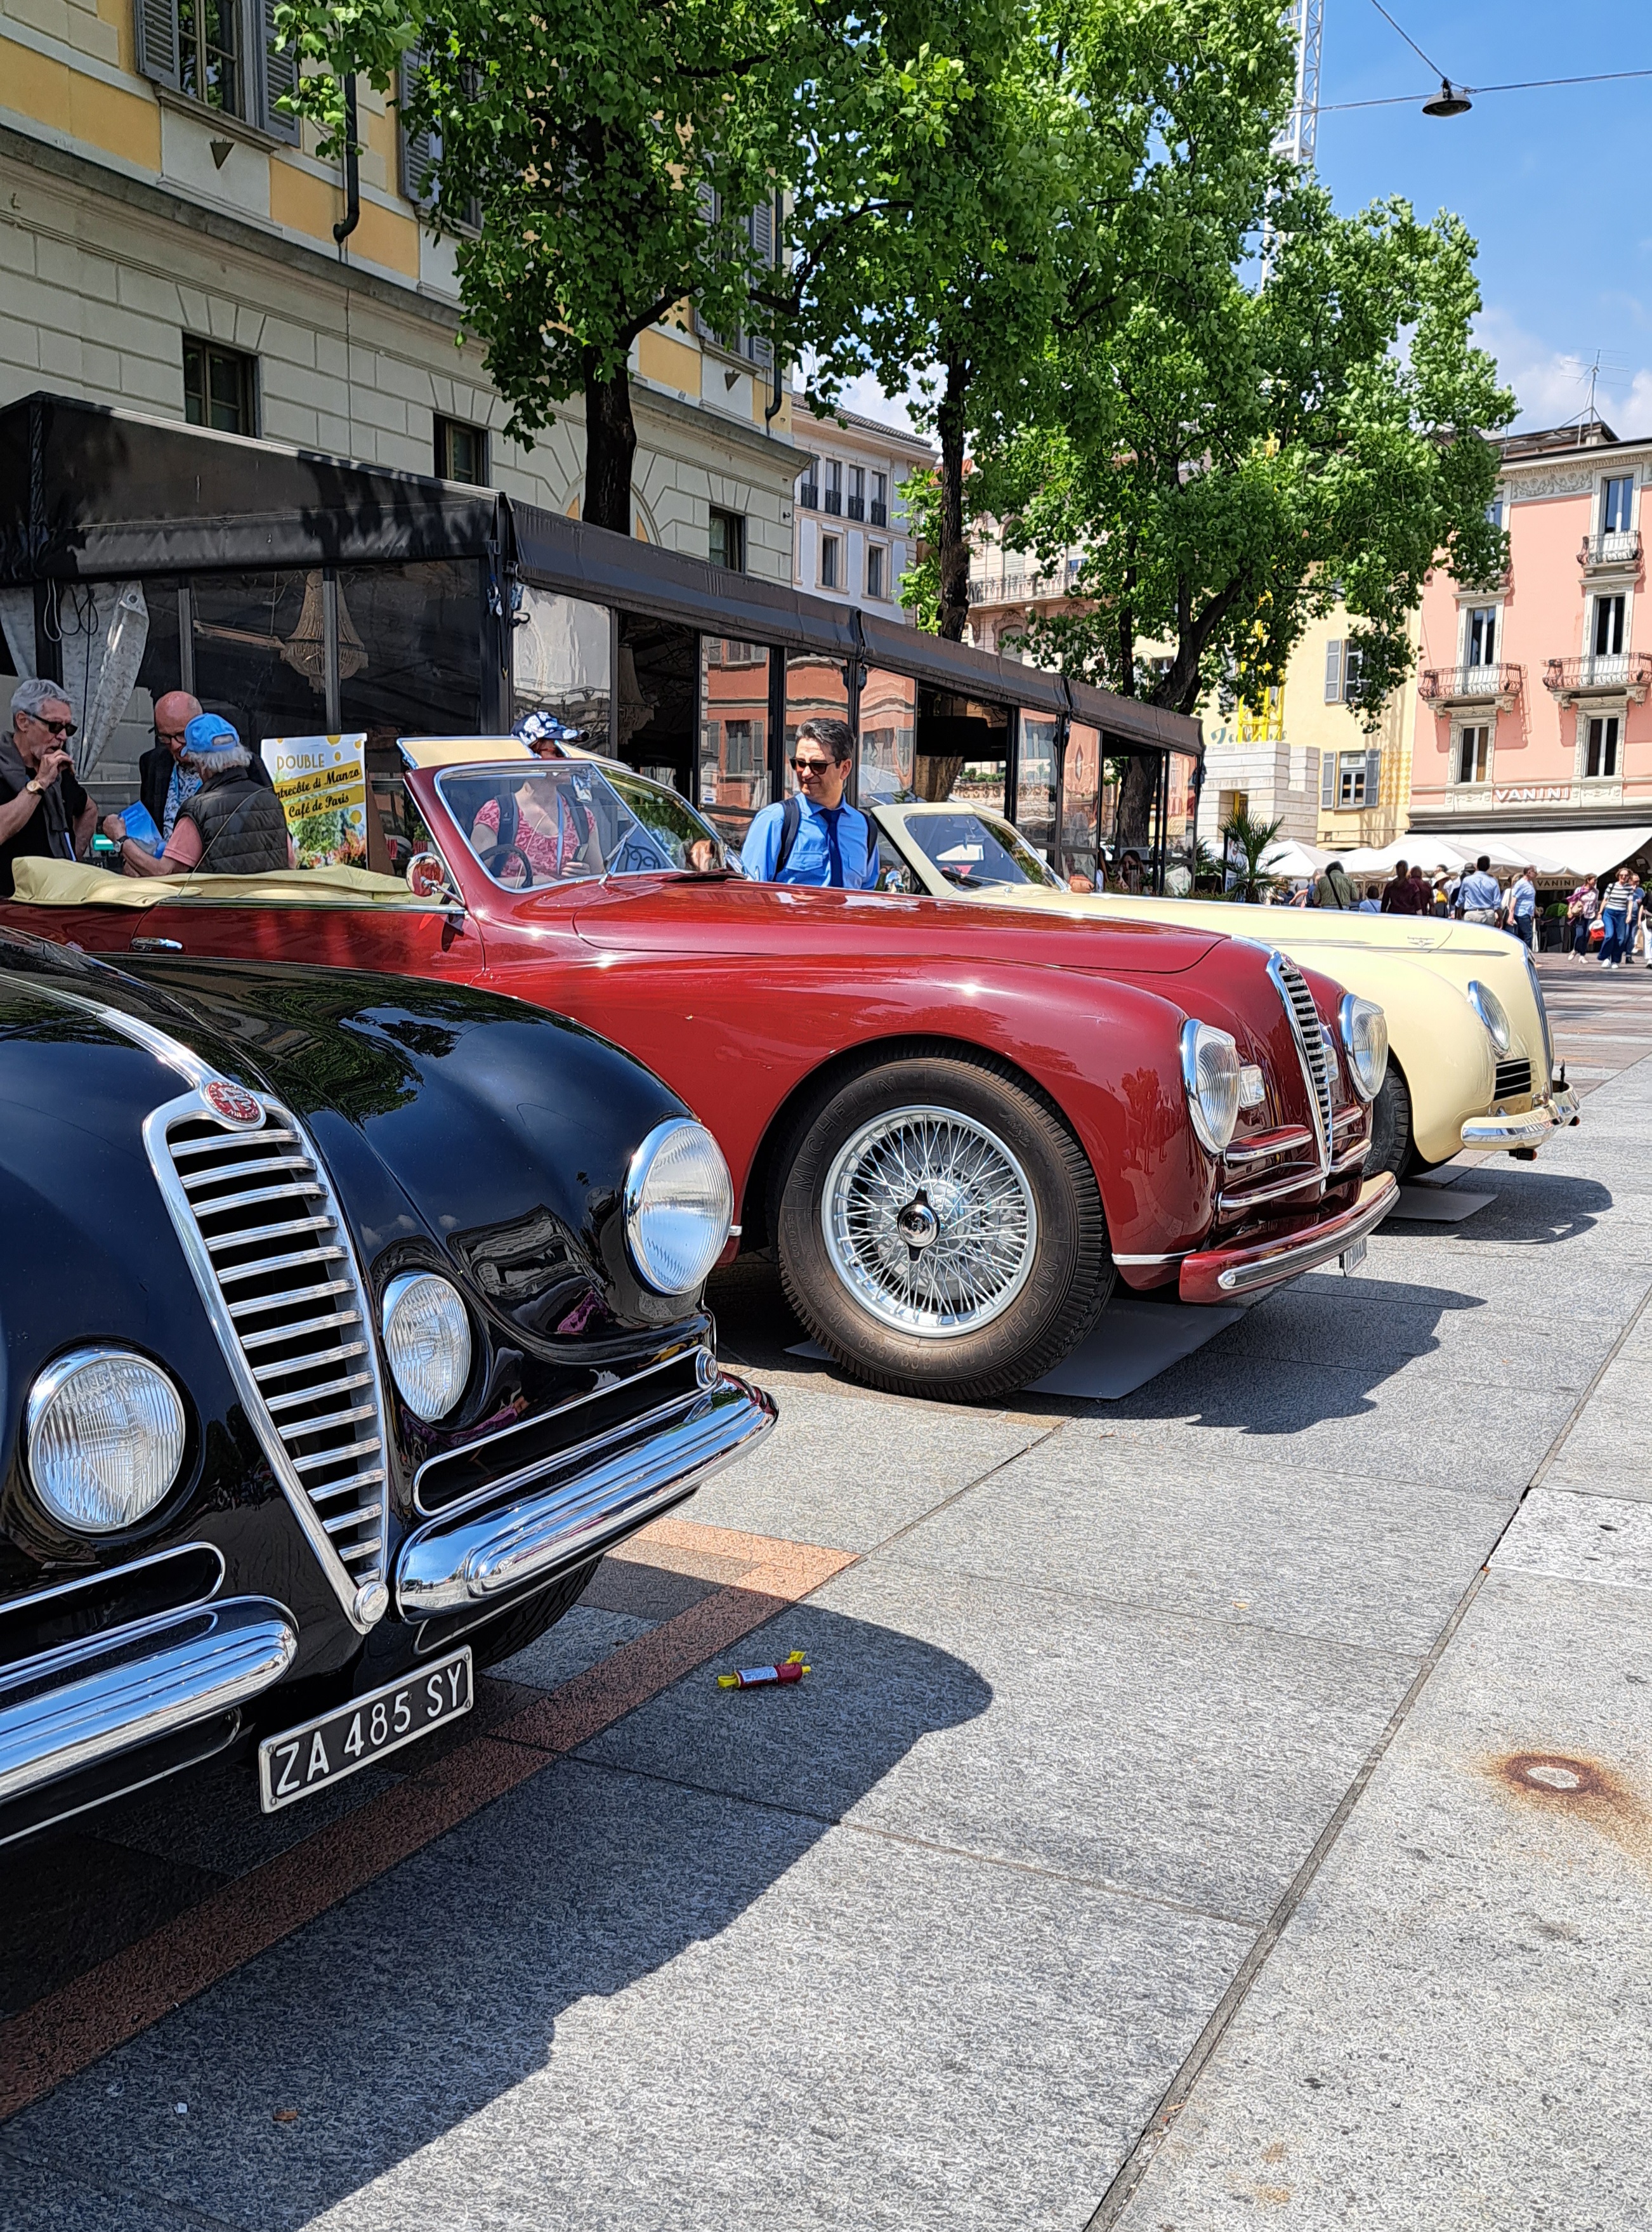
(285, 2116)
(754, 1677)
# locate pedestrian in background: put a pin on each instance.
(1372, 902)
(1480, 897)
(1637, 898)
(814, 838)
(1522, 915)
(1333, 889)
(44, 813)
(1400, 896)
(1614, 920)
(1581, 910)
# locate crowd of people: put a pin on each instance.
(1611, 918)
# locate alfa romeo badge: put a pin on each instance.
(233, 1103)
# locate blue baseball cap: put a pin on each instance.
(207, 733)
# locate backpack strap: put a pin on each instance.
(791, 823)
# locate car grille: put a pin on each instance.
(1311, 1050)
(274, 1262)
(1512, 1077)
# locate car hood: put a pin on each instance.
(1304, 926)
(686, 915)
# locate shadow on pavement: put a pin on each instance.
(434, 1992)
(1534, 1210)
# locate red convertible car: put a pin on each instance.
(956, 1133)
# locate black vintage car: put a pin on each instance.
(346, 1322)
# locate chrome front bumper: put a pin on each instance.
(1529, 1128)
(575, 1506)
(74, 1706)
(1217, 1275)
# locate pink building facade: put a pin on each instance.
(1532, 714)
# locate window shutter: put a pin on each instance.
(1333, 672)
(418, 148)
(760, 230)
(281, 76)
(155, 23)
(1327, 779)
(1373, 777)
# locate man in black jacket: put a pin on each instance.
(163, 785)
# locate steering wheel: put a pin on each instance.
(504, 852)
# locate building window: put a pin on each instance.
(1474, 754)
(1344, 661)
(729, 541)
(1494, 512)
(1480, 636)
(1600, 747)
(737, 757)
(220, 52)
(878, 512)
(857, 491)
(876, 558)
(1350, 779)
(1609, 627)
(830, 553)
(833, 486)
(1616, 505)
(218, 388)
(461, 452)
(808, 489)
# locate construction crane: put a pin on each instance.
(1296, 137)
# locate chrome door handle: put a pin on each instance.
(154, 946)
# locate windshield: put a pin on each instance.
(558, 822)
(976, 855)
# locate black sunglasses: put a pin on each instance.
(54, 728)
(812, 767)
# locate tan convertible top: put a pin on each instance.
(70, 882)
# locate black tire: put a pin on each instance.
(1065, 1271)
(1391, 1147)
(523, 1623)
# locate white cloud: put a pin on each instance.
(1552, 384)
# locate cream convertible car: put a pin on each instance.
(1471, 1062)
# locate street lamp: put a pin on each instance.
(1450, 100)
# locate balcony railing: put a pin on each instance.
(1604, 674)
(1620, 548)
(1471, 685)
(878, 512)
(1016, 588)
(809, 495)
(857, 507)
(834, 502)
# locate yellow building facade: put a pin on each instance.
(179, 256)
(1364, 778)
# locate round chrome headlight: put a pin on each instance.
(106, 1438)
(1365, 1040)
(1211, 1070)
(1492, 1012)
(427, 1339)
(679, 1204)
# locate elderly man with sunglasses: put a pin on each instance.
(44, 813)
(814, 838)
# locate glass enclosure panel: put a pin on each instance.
(973, 854)
(1035, 770)
(1180, 805)
(561, 654)
(814, 687)
(734, 732)
(559, 821)
(962, 748)
(260, 653)
(888, 725)
(657, 717)
(1080, 773)
(410, 650)
(1131, 815)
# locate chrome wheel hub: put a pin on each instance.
(929, 1221)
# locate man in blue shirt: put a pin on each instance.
(1523, 907)
(1479, 896)
(814, 838)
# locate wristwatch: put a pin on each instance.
(32, 785)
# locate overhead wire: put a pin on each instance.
(1409, 41)
(1517, 85)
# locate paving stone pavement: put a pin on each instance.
(1182, 1824)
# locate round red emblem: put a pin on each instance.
(232, 1103)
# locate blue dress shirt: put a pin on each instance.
(835, 847)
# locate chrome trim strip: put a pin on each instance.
(116, 1573)
(68, 1709)
(365, 1602)
(176, 1055)
(492, 1554)
(1319, 1104)
(1239, 1277)
(1289, 1140)
(1296, 1182)
(544, 1418)
(1175, 1255)
(1351, 1158)
(1529, 1129)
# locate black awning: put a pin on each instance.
(553, 553)
(90, 493)
(960, 666)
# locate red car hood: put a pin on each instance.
(683, 916)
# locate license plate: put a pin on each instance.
(302, 1760)
(1352, 1258)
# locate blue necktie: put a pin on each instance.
(830, 816)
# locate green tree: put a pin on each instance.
(615, 150)
(1245, 842)
(1283, 406)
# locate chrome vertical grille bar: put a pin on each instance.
(1306, 1029)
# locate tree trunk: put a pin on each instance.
(610, 446)
(954, 550)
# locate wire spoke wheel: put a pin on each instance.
(929, 1222)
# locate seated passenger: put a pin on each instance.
(232, 826)
(551, 833)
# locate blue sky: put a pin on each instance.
(1555, 185)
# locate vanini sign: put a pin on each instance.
(1534, 793)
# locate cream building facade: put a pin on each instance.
(854, 541)
(179, 258)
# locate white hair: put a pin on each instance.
(222, 761)
(35, 694)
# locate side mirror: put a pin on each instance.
(428, 878)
